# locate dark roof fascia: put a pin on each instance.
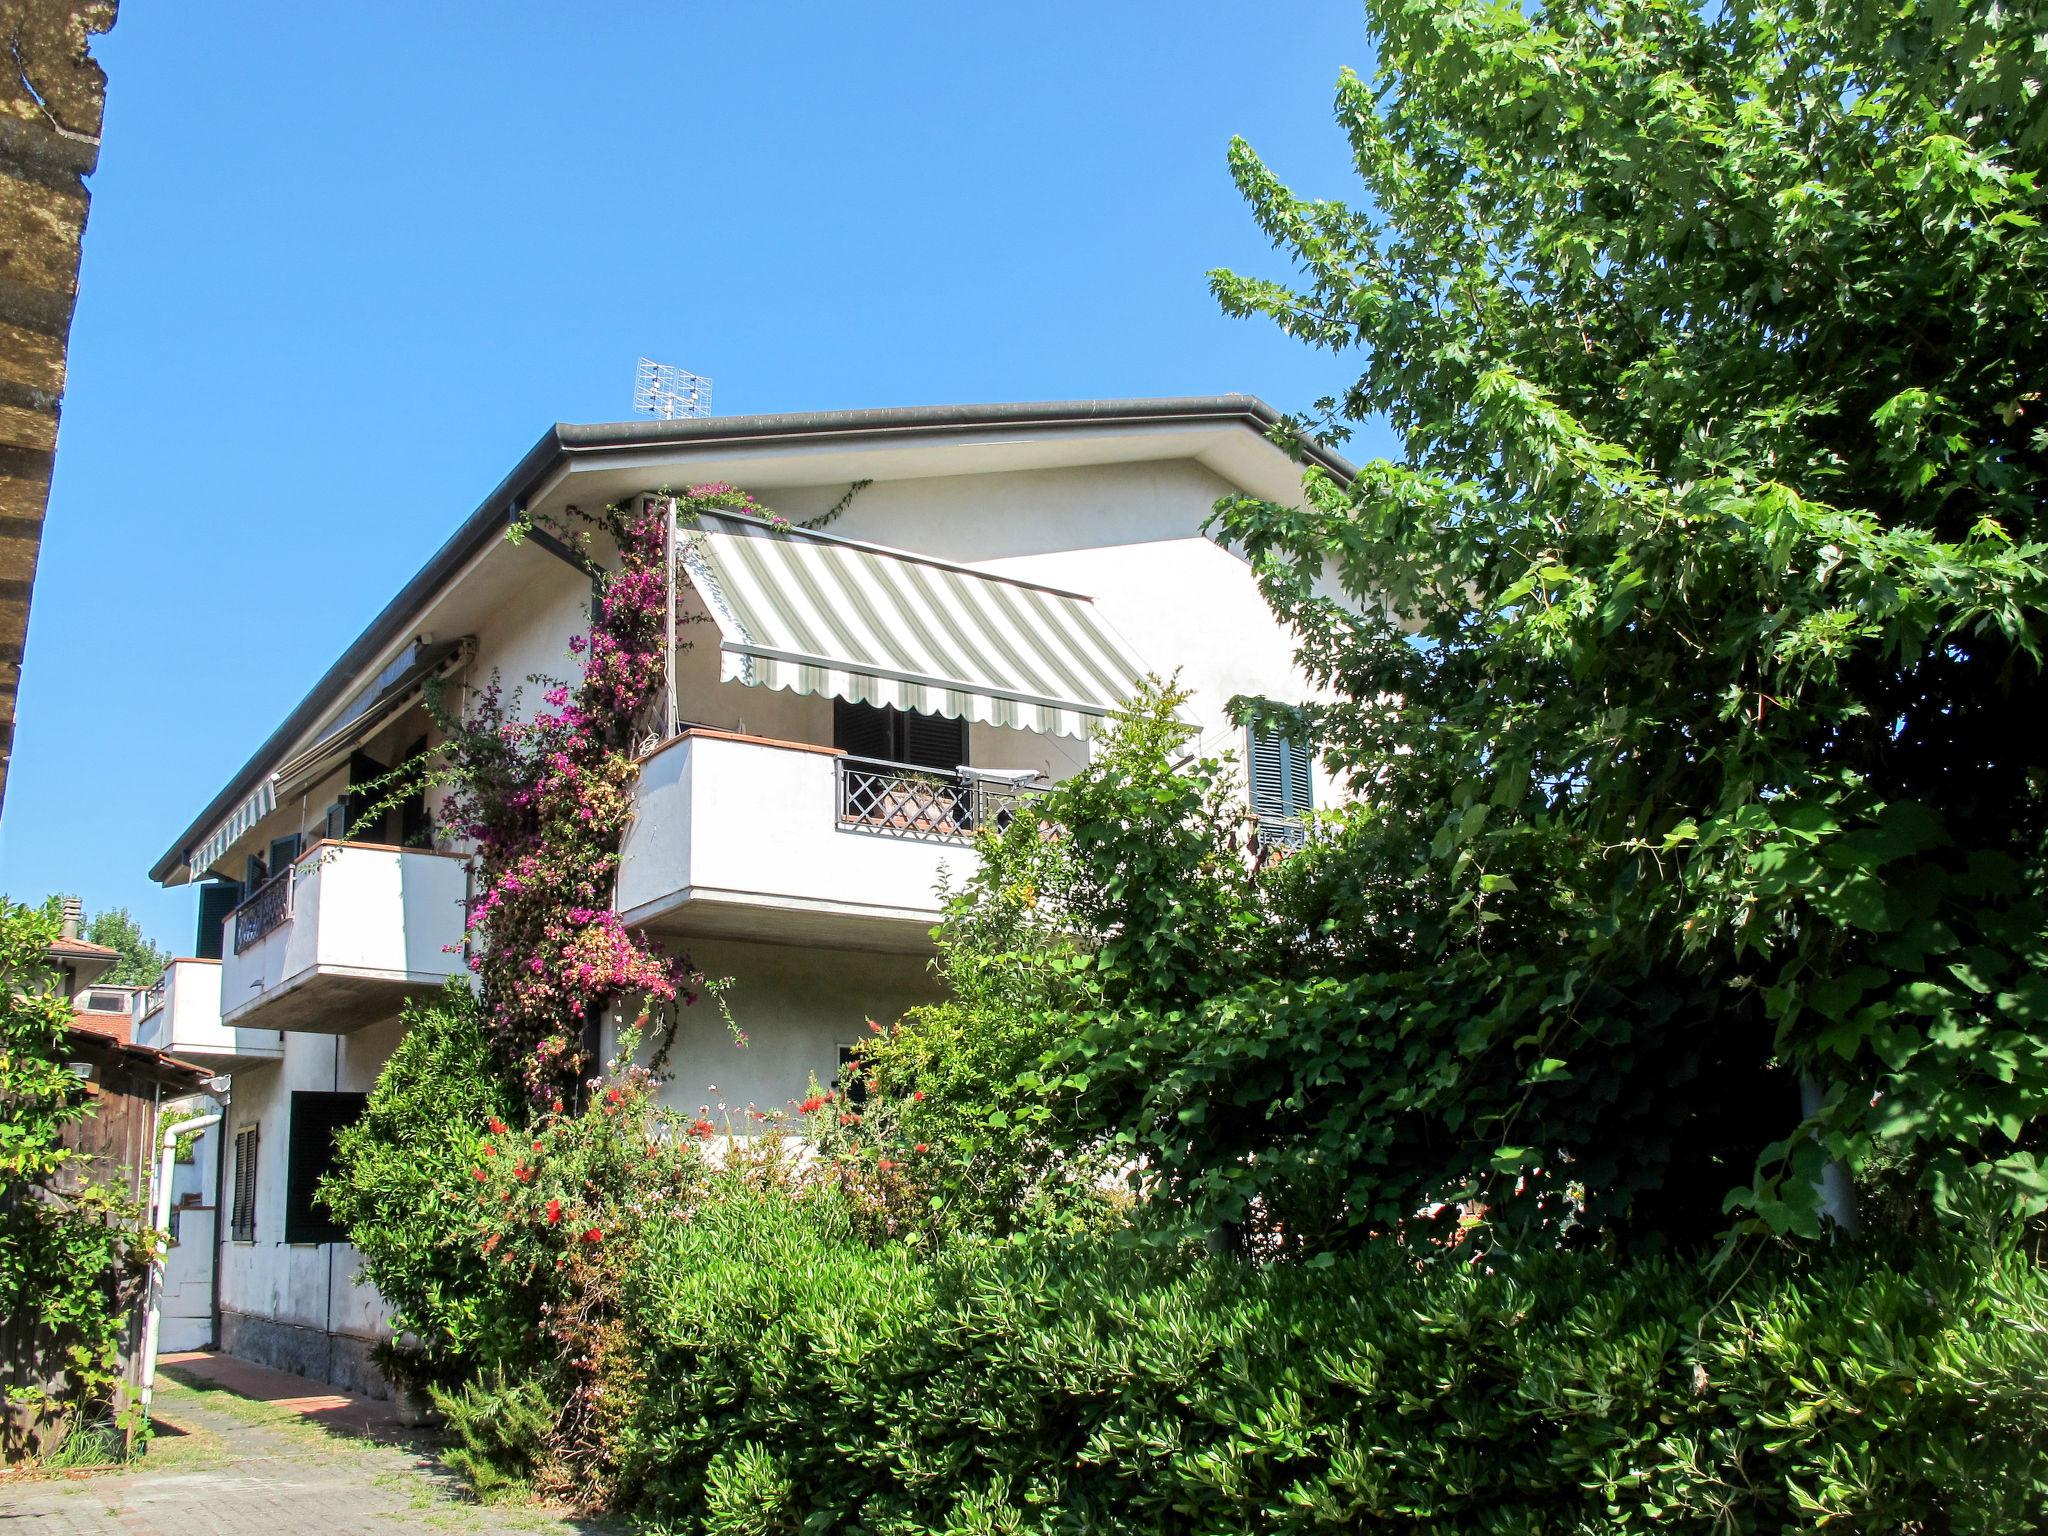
(565, 442)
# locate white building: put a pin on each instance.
(1002, 570)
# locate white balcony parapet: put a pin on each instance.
(180, 1016)
(343, 937)
(741, 837)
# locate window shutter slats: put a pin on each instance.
(934, 741)
(1282, 787)
(244, 1216)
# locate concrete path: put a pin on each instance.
(242, 1451)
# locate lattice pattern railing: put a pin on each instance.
(268, 908)
(925, 804)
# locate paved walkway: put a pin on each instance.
(242, 1451)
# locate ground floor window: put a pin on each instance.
(309, 1155)
(243, 1223)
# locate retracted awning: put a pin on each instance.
(817, 614)
(252, 809)
(370, 711)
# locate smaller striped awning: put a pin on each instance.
(260, 803)
(816, 614)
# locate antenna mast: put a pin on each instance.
(662, 389)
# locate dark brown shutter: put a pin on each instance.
(933, 741)
(243, 1228)
(309, 1155)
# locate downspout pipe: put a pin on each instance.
(160, 1219)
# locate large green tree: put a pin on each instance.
(1688, 651)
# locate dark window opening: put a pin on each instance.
(899, 735)
(415, 830)
(364, 826)
(243, 1221)
(851, 1083)
(309, 1157)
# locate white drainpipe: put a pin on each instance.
(160, 1219)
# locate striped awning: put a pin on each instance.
(244, 816)
(817, 614)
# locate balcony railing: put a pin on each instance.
(153, 998)
(268, 908)
(925, 804)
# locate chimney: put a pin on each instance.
(74, 917)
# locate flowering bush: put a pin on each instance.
(545, 801)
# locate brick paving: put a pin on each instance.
(242, 1451)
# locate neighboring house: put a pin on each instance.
(126, 1086)
(986, 582)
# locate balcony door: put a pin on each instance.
(899, 735)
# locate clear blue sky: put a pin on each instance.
(346, 263)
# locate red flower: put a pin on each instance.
(523, 1174)
(554, 1212)
(497, 1126)
(918, 1096)
(536, 1146)
(920, 1146)
(489, 1150)
(814, 1103)
(480, 1174)
(556, 1106)
(612, 1096)
(701, 1128)
(593, 1236)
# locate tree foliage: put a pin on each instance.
(1684, 652)
(72, 1249)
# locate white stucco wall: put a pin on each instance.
(1127, 535)
(778, 1021)
(305, 1284)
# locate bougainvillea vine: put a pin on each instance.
(545, 801)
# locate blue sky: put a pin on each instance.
(345, 264)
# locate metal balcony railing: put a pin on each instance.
(268, 908)
(153, 999)
(925, 804)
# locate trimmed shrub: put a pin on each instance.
(399, 1186)
(788, 1377)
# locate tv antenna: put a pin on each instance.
(662, 389)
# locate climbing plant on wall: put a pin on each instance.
(545, 800)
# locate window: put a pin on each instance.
(899, 735)
(309, 1155)
(851, 1083)
(217, 898)
(243, 1220)
(1280, 786)
(106, 1002)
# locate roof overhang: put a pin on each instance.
(598, 464)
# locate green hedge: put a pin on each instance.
(787, 1379)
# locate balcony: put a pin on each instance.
(739, 837)
(180, 1015)
(343, 937)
